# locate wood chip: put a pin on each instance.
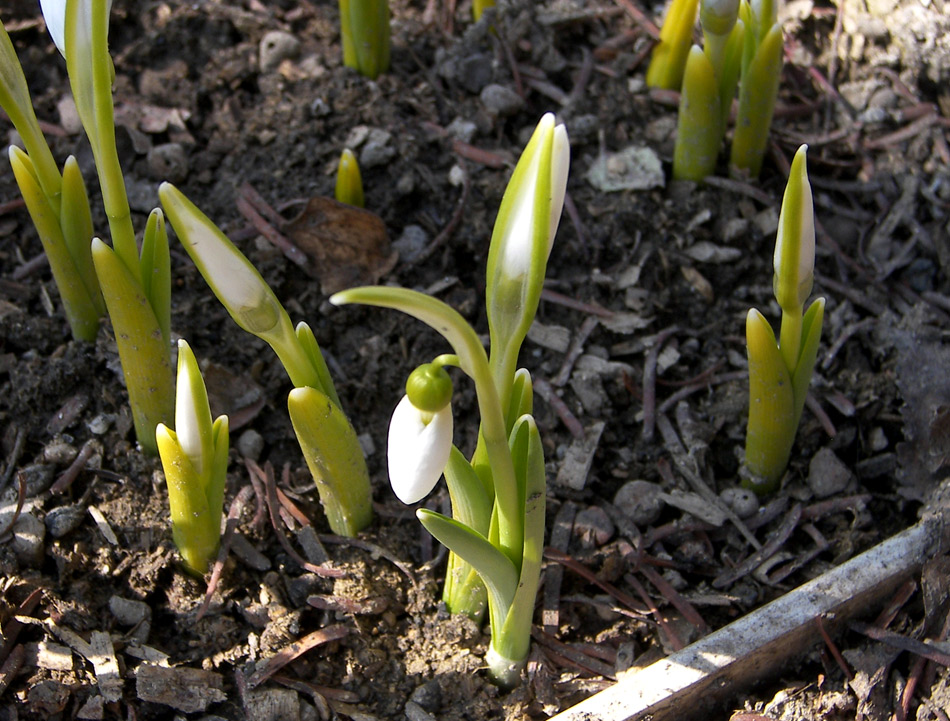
(576, 464)
(106, 666)
(104, 528)
(189, 690)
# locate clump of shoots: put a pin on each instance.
(742, 45)
(779, 373)
(763, 46)
(709, 84)
(327, 439)
(195, 460)
(349, 183)
(57, 204)
(496, 531)
(668, 61)
(364, 26)
(136, 286)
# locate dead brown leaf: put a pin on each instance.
(349, 246)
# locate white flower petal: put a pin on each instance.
(417, 451)
(54, 13)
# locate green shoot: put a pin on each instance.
(326, 437)
(195, 460)
(364, 26)
(779, 373)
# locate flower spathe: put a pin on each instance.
(521, 216)
(418, 449)
(794, 259)
(192, 414)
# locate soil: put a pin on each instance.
(638, 358)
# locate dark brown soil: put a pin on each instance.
(641, 283)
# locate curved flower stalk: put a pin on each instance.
(349, 184)
(497, 530)
(195, 460)
(709, 84)
(779, 373)
(763, 46)
(58, 204)
(668, 61)
(364, 26)
(327, 439)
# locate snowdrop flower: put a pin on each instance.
(54, 13)
(794, 259)
(420, 434)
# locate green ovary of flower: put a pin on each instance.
(429, 388)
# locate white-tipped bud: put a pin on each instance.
(794, 259)
(523, 207)
(192, 413)
(419, 446)
(235, 282)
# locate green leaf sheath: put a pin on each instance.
(512, 641)
(335, 460)
(364, 26)
(16, 102)
(196, 525)
(698, 133)
(758, 91)
(82, 310)
(464, 592)
(669, 56)
(145, 356)
(494, 567)
(771, 429)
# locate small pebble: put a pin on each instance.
(415, 712)
(250, 444)
(100, 424)
(59, 452)
(63, 520)
(474, 72)
(275, 47)
(38, 477)
(428, 695)
(168, 161)
(877, 440)
(827, 474)
(457, 176)
(741, 500)
(27, 543)
(639, 501)
(129, 612)
(68, 115)
(377, 151)
(411, 243)
(462, 129)
(500, 100)
(593, 527)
